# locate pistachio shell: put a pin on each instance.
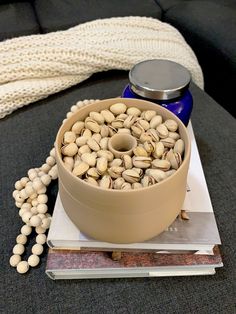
(97, 137)
(112, 130)
(126, 186)
(117, 162)
(80, 169)
(118, 183)
(174, 135)
(77, 127)
(174, 158)
(147, 181)
(81, 140)
(117, 123)
(159, 150)
(163, 165)
(69, 149)
(141, 162)
(104, 143)
(106, 182)
(179, 147)
(136, 185)
(140, 151)
(139, 171)
(115, 172)
(108, 116)
(96, 116)
(143, 123)
(93, 144)
(149, 146)
(144, 137)
(170, 172)
(155, 121)
(148, 114)
(86, 133)
(122, 116)
(105, 153)
(162, 131)
(69, 137)
(129, 121)
(91, 181)
(136, 130)
(92, 125)
(84, 149)
(130, 176)
(104, 130)
(124, 131)
(157, 174)
(168, 142)
(153, 134)
(133, 111)
(118, 108)
(89, 158)
(93, 173)
(171, 125)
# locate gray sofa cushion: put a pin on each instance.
(56, 15)
(17, 19)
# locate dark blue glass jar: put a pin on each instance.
(163, 82)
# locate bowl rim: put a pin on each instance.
(116, 100)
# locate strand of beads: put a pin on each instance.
(31, 199)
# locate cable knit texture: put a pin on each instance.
(34, 67)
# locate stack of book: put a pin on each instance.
(187, 247)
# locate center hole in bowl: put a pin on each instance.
(122, 143)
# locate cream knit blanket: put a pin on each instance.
(34, 67)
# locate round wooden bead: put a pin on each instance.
(74, 108)
(42, 199)
(37, 184)
(53, 152)
(19, 199)
(23, 194)
(18, 249)
(26, 206)
(41, 173)
(21, 239)
(51, 161)
(29, 190)
(42, 216)
(34, 210)
(22, 267)
(35, 221)
(15, 192)
(40, 230)
(42, 208)
(33, 260)
(33, 196)
(22, 211)
(45, 168)
(26, 230)
(34, 202)
(24, 181)
(37, 249)
(18, 204)
(18, 185)
(46, 223)
(46, 179)
(32, 173)
(15, 260)
(26, 216)
(43, 190)
(41, 239)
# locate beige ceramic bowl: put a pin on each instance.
(122, 216)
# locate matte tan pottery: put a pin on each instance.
(120, 216)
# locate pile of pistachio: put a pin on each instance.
(158, 153)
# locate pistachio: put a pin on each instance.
(137, 130)
(179, 147)
(124, 131)
(162, 131)
(155, 121)
(147, 181)
(157, 174)
(77, 162)
(171, 125)
(77, 127)
(174, 135)
(129, 121)
(143, 123)
(105, 153)
(122, 116)
(107, 115)
(69, 149)
(163, 165)
(115, 172)
(170, 172)
(117, 162)
(91, 181)
(159, 150)
(148, 114)
(112, 130)
(141, 162)
(81, 140)
(97, 137)
(133, 111)
(118, 108)
(84, 149)
(117, 123)
(140, 151)
(149, 146)
(68, 160)
(68, 166)
(96, 116)
(92, 125)
(106, 182)
(89, 158)
(144, 137)
(93, 173)
(174, 158)
(168, 142)
(86, 133)
(153, 134)
(130, 176)
(126, 186)
(136, 185)
(127, 161)
(104, 143)
(139, 171)
(118, 183)
(104, 130)
(69, 137)
(93, 144)
(80, 169)
(101, 165)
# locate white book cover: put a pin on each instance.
(199, 233)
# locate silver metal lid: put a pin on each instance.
(159, 79)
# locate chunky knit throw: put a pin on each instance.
(34, 67)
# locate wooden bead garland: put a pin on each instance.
(31, 199)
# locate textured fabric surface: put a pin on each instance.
(26, 138)
(17, 19)
(54, 15)
(31, 68)
(209, 27)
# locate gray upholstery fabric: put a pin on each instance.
(26, 137)
(56, 15)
